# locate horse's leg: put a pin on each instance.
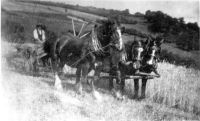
(89, 70)
(34, 65)
(43, 61)
(115, 58)
(78, 79)
(96, 78)
(118, 89)
(136, 88)
(78, 75)
(97, 73)
(34, 62)
(144, 82)
(123, 81)
(115, 68)
(55, 68)
(111, 86)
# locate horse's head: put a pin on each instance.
(137, 50)
(112, 33)
(152, 50)
(136, 54)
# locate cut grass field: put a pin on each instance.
(32, 98)
(174, 96)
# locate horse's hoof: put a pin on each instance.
(135, 97)
(97, 96)
(142, 97)
(58, 83)
(79, 92)
(158, 75)
(79, 89)
(118, 95)
(110, 88)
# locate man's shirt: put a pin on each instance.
(39, 35)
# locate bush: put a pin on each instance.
(14, 32)
(134, 32)
(177, 60)
(186, 35)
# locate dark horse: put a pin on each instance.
(129, 64)
(149, 63)
(134, 52)
(81, 53)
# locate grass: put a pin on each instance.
(174, 96)
(181, 56)
(178, 87)
(34, 98)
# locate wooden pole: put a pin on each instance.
(81, 29)
(73, 27)
(126, 77)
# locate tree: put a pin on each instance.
(185, 35)
(193, 26)
(126, 12)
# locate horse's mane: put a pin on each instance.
(129, 46)
(107, 26)
(105, 30)
(51, 38)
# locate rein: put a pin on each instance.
(96, 46)
(95, 42)
(87, 55)
(123, 58)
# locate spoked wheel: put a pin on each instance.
(83, 27)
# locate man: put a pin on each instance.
(39, 34)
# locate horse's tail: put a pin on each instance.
(55, 49)
(59, 44)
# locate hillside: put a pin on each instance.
(57, 17)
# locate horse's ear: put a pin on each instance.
(162, 40)
(159, 42)
(147, 42)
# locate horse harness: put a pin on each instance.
(39, 35)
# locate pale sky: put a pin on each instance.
(189, 9)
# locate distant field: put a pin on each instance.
(185, 55)
(56, 22)
(84, 15)
(30, 7)
(20, 6)
(141, 27)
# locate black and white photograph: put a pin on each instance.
(100, 60)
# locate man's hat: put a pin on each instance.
(39, 25)
(44, 27)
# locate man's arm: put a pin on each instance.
(43, 36)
